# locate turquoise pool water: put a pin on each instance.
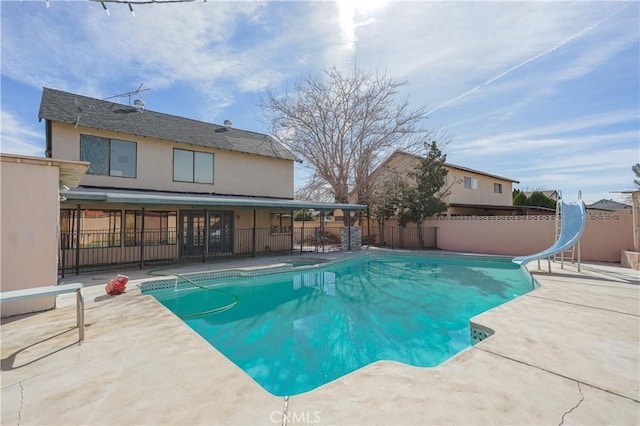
(295, 331)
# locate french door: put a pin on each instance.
(210, 231)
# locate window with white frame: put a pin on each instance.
(497, 188)
(109, 157)
(192, 166)
(470, 183)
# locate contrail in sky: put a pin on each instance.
(522, 64)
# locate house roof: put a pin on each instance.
(83, 111)
(450, 165)
(94, 195)
(609, 205)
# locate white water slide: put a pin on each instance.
(574, 219)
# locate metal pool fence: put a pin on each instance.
(117, 249)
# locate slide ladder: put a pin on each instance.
(571, 220)
(568, 252)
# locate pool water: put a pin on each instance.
(293, 332)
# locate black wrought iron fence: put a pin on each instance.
(112, 249)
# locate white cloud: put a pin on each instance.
(83, 48)
(19, 138)
(505, 57)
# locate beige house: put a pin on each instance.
(470, 192)
(162, 187)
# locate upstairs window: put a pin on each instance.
(192, 166)
(497, 188)
(109, 157)
(470, 183)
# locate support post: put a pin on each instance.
(142, 240)
(579, 256)
(321, 237)
(253, 235)
(349, 230)
(301, 234)
(205, 240)
(635, 215)
(291, 234)
(78, 222)
(368, 226)
(63, 256)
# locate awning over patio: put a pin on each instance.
(93, 195)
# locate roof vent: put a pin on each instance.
(139, 105)
(227, 124)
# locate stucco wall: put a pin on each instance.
(29, 217)
(234, 173)
(605, 235)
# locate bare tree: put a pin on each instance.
(344, 126)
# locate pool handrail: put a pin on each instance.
(52, 290)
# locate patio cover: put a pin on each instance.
(93, 195)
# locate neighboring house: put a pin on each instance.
(164, 187)
(608, 205)
(470, 192)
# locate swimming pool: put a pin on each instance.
(297, 330)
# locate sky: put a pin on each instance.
(545, 93)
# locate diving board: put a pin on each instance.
(574, 220)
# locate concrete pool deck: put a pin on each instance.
(566, 353)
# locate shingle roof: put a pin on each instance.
(75, 109)
(608, 205)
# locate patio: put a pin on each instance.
(566, 353)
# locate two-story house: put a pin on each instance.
(164, 187)
(469, 191)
